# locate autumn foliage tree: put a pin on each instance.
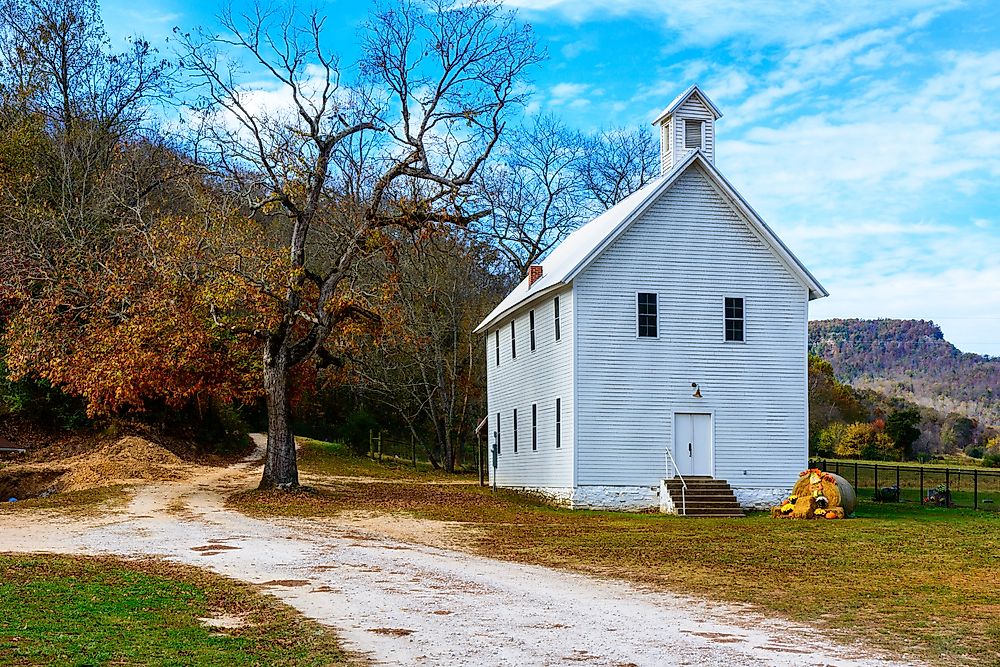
(95, 249)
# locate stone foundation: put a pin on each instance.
(642, 498)
(617, 498)
(559, 496)
(760, 499)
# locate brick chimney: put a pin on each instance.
(534, 273)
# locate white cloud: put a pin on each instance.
(574, 49)
(765, 22)
(570, 94)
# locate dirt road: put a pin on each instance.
(405, 603)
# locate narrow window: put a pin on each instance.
(555, 317)
(498, 432)
(513, 346)
(558, 423)
(692, 133)
(531, 328)
(534, 426)
(497, 338)
(515, 430)
(734, 319)
(647, 314)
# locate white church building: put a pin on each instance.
(659, 347)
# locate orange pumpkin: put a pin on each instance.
(831, 515)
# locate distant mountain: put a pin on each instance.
(910, 359)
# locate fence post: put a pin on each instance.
(899, 495)
(947, 487)
(876, 482)
(975, 489)
(855, 475)
(921, 485)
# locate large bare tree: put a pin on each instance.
(548, 180)
(335, 162)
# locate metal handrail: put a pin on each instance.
(684, 486)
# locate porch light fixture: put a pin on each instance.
(697, 390)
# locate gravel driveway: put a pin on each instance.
(403, 603)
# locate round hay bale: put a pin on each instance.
(837, 490)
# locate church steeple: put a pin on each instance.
(687, 124)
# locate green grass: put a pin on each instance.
(57, 610)
(330, 458)
(73, 502)
(912, 579)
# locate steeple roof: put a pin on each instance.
(682, 98)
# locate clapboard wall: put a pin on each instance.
(693, 249)
(533, 378)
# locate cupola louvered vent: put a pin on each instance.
(692, 133)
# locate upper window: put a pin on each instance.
(531, 328)
(735, 320)
(646, 305)
(497, 339)
(692, 133)
(513, 342)
(555, 315)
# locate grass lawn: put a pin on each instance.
(73, 502)
(915, 580)
(59, 610)
(331, 458)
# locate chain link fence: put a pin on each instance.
(937, 485)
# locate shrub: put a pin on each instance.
(867, 441)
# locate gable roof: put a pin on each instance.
(580, 248)
(682, 98)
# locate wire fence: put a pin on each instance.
(935, 485)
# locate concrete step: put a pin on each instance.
(703, 497)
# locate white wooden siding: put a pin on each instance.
(666, 156)
(693, 109)
(537, 377)
(692, 249)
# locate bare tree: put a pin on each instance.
(619, 162)
(428, 370)
(548, 180)
(534, 191)
(340, 162)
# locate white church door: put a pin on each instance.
(693, 443)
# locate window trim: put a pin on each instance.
(534, 427)
(725, 319)
(635, 310)
(515, 430)
(499, 436)
(531, 329)
(558, 423)
(497, 338)
(555, 318)
(701, 126)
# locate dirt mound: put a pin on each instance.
(126, 460)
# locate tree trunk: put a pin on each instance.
(281, 469)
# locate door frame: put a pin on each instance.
(711, 431)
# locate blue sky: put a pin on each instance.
(867, 134)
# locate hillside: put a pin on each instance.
(910, 359)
